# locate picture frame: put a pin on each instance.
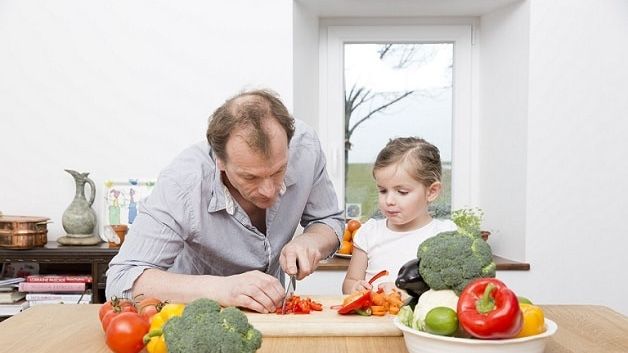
(121, 200)
(353, 211)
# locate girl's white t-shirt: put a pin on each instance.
(389, 250)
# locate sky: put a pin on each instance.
(427, 113)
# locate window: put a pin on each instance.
(384, 82)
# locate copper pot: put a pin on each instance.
(23, 232)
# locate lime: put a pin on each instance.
(524, 300)
(441, 321)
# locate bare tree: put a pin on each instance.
(356, 97)
(403, 56)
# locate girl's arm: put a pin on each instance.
(354, 279)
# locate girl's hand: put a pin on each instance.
(361, 285)
(390, 286)
(387, 287)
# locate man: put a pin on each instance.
(220, 221)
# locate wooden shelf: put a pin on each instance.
(341, 264)
(94, 257)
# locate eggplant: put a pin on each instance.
(410, 280)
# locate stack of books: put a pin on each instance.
(57, 289)
(11, 300)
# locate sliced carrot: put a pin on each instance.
(378, 298)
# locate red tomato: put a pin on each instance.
(149, 306)
(148, 312)
(125, 333)
(112, 305)
(106, 320)
(147, 302)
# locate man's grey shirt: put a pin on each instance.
(190, 224)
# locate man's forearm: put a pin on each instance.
(176, 287)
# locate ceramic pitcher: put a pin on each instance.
(79, 219)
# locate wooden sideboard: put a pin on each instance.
(92, 259)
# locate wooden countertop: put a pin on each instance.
(340, 264)
(75, 328)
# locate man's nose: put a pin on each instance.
(267, 188)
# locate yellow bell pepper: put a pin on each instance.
(533, 320)
(154, 339)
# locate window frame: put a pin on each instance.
(464, 120)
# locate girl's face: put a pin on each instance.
(402, 199)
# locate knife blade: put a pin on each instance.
(290, 288)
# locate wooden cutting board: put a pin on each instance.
(323, 323)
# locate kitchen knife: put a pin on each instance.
(290, 288)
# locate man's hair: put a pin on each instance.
(420, 158)
(248, 110)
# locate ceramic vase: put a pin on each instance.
(79, 219)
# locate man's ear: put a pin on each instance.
(433, 191)
(220, 164)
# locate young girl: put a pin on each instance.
(407, 172)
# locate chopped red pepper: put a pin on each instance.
(488, 309)
(296, 305)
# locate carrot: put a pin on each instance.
(378, 299)
(378, 310)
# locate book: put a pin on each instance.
(12, 309)
(9, 288)
(59, 296)
(51, 287)
(11, 297)
(8, 281)
(53, 301)
(59, 278)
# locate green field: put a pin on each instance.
(361, 189)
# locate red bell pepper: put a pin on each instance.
(361, 301)
(488, 309)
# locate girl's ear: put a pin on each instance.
(433, 191)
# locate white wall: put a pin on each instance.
(503, 77)
(305, 44)
(562, 88)
(577, 177)
(119, 88)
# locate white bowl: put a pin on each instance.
(423, 342)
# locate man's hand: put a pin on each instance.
(253, 290)
(302, 250)
(317, 241)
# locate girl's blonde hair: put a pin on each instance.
(420, 158)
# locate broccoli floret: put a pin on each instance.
(450, 260)
(252, 340)
(235, 320)
(205, 328)
(202, 308)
